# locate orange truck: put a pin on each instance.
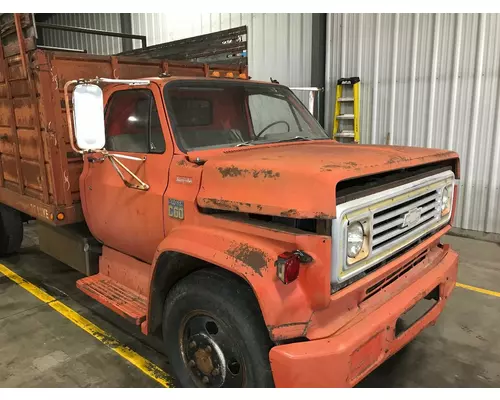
(215, 213)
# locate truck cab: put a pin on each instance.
(260, 250)
(213, 212)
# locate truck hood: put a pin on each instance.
(296, 179)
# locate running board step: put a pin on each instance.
(115, 296)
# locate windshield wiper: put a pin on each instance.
(294, 139)
(247, 143)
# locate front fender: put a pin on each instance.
(286, 309)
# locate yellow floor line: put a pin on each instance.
(479, 290)
(146, 366)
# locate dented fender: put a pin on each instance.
(286, 309)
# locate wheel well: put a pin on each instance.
(171, 267)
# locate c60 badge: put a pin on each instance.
(176, 208)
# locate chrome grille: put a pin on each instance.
(388, 224)
(392, 219)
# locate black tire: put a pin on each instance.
(11, 230)
(212, 311)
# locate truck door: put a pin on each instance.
(124, 218)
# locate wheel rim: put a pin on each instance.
(209, 352)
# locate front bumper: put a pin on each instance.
(346, 357)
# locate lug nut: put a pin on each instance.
(208, 349)
(215, 372)
(205, 380)
(191, 363)
(192, 345)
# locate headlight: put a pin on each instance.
(446, 200)
(355, 239)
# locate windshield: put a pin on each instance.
(211, 114)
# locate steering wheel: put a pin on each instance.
(271, 125)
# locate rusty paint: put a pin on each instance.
(397, 159)
(232, 172)
(9, 117)
(249, 255)
(312, 179)
(322, 215)
(182, 163)
(289, 213)
(235, 172)
(288, 330)
(224, 204)
(266, 173)
(343, 165)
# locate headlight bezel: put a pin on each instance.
(447, 210)
(365, 250)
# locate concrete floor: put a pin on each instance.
(40, 348)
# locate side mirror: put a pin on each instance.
(88, 117)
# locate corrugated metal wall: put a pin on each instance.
(429, 80)
(92, 43)
(279, 45)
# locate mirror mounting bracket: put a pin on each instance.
(115, 162)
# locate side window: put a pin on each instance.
(266, 110)
(132, 123)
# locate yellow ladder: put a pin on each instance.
(346, 118)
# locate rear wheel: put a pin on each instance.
(11, 230)
(214, 333)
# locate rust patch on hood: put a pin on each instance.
(322, 215)
(235, 172)
(266, 173)
(343, 165)
(276, 186)
(289, 213)
(225, 204)
(251, 256)
(397, 159)
(232, 171)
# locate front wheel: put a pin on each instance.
(214, 333)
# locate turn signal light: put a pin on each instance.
(287, 267)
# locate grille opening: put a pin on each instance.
(406, 203)
(426, 217)
(391, 227)
(393, 276)
(396, 217)
(427, 214)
